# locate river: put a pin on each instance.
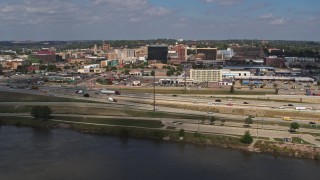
(32, 154)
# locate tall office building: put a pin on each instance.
(105, 47)
(248, 51)
(209, 53)
(158, 52)
(181, 52)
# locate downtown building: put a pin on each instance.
(177, 54)
(207, 53)
(158, 53)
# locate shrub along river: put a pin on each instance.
(31, 154)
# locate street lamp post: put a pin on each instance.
(198, 125)
(123, 107)
(262, 121)
(154, 86)
(257, 131)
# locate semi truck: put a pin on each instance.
(110, 92)
(301, 108)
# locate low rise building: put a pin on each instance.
(206, 75)
(227, 73)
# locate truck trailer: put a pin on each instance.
(301, 108)
(110, 92)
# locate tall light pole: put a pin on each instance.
(185, 66)
(154, 86)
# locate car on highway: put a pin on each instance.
(290, 104)
(245, 103)
(79, 91)
(217, 100)
(292, 130)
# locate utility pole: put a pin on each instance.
(185, 77)
(185, 66)
(198, 125)
(154, 86)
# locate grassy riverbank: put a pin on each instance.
(293, 149)
(152, 130)
(23, 97)
(26, 121)
(139, 129)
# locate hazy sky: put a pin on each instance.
(149, 19)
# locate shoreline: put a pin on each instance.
(218, 140)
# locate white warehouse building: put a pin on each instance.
(227, 73)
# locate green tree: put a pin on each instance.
(248, 121)
(246, 138)
(52, 67)
(275, 85)
(318, 83)
(42, 67)
(127, 66)
(126, 71)
(232, 89)
(222, 122)
(251, 86)
(212, 120)
(294, 126)
(181, 133)
(276, 91)
(152, 73)
(42, 112)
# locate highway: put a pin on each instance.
(143, 101)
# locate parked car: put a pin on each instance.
(290, 104)
(86, 95)
(217, 100)
(245, 103)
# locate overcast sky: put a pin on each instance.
(150, 19)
